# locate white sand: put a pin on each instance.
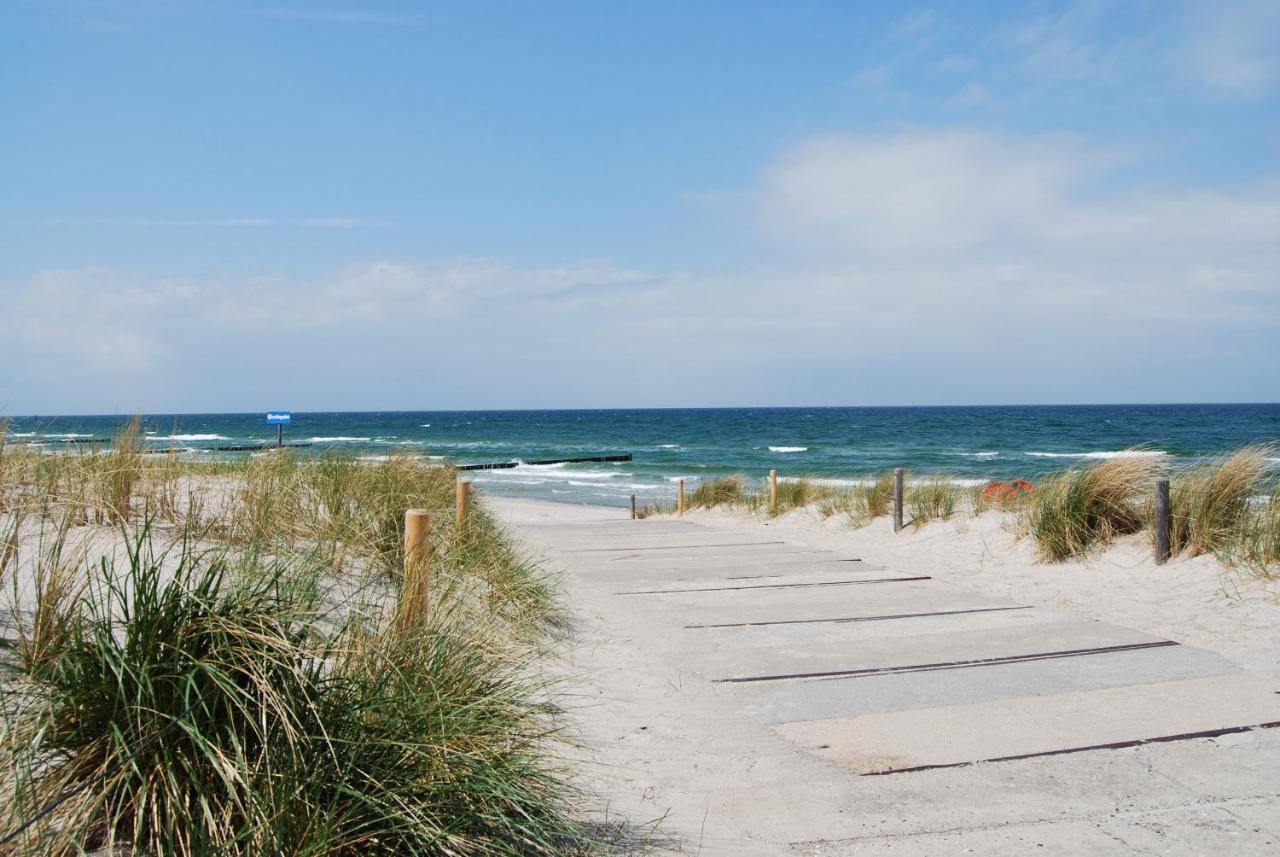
(660, 741)
(1196, 601)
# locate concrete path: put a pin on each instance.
(762, 696)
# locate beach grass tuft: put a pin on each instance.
(724, 491)
(1076, 510)
(931, 499)
(1209, 504)
(233, 682)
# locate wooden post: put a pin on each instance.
(773, 492)
(1163, 548)
(897, 499)
(633, 507)
(417, 550)
(463, 503)
(680, 498)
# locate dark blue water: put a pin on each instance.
(968, 443)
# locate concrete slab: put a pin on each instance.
(952, 735)
(823, 649)
(657, 579)
(699, 556)
(890, 626)
(659, 740)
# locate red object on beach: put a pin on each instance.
(1007, 490)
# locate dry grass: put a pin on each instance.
(1077, 510)
(1209, 504)
(236, 685)
(725, 491)
(932, 499)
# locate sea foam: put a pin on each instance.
(788, 449)
(1122, 453)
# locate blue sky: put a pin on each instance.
(229, 206)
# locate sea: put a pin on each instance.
(846, 445)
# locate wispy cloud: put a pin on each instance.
(1234, 47)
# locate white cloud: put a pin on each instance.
(1007, 267)
(961, 231)
(120, 324)
(931, 191)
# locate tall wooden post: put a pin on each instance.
(633, 507)
(897, 499)
(417, 551)
(463, 503)
(1163, 547)
(680, 498)
(773, 492)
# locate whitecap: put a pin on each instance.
(197, 437)
(68, 434)
(978, 454)
(668, 446)
(336, 439)
(22, 434)
(1122, 453)
(788, 449)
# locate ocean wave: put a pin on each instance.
(22, 434)
(374, 457)
(1121, 453)
(668, 446)
(337, 439)
(788, 449)
(978, 454)
(67, 434)
(196, 437)
(559, 470)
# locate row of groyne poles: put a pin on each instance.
(1163, 516)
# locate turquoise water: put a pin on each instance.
(844, 444)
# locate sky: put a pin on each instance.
(233, 206)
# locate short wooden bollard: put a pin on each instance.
(897, 499)
(680, 498)
(417, 551)
(1163, 547)
(633, 507)
(463, 503)
(773, 492)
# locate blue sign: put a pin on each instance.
(279, 418)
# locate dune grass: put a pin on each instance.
(1079, 509)
(934, 498)
(210, 717)
(233, 684)
(724, 491)
(1255, 544)
(1210, 502)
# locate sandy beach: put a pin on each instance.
(733, 772)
